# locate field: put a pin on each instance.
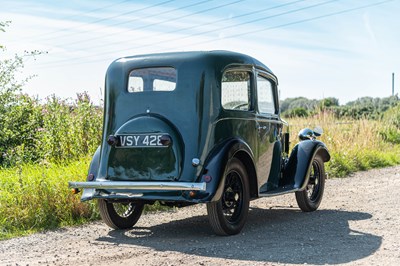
(35, 196)
(354, 144)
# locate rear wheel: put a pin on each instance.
(120, 215)
(310, 198)
(228, 215)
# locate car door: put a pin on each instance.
(267, 124)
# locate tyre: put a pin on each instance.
(228, 215)
(120, 215)
(310, 198)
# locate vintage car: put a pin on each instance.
(197, 127)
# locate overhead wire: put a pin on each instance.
(57, 63)
(205, 32)
(187, 28)
(155, 23)
(78, 15)
(108, 18)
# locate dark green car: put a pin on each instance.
(197, 127)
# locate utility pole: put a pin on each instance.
(393, 84)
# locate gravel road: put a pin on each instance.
(357, 224)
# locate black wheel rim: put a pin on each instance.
(124, 210)
(314, 182)
(232, 198)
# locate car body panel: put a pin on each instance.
(204, 135)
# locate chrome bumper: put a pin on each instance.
(163, 186)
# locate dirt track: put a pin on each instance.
(358, 223)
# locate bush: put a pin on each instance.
(354, 145)
(296, 112)
(69, 130)
(56, 131)
(391, 129)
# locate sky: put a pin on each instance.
(317, 48)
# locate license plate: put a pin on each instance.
(140, 140)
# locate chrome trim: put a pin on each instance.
(165, 186)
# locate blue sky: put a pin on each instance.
(317, 48)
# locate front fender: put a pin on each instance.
(215, 166)
(299, 164)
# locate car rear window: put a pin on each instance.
(152, 79)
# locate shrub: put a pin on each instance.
(354, 145)
(391, 129)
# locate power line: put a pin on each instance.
(244, 23)
(312, 19)
(192, 27)
(78, 15)
(105, 19)
(208, 31)
(155, 23)
(239, 34)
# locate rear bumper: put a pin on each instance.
(151, 191)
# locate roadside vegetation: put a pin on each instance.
(354, 144)
(45, 143)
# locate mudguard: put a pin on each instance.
(88, 193)
(214, 166)
(296, 171)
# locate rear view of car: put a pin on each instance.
(197, 127)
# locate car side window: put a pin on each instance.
(235, 90)
(265, 96)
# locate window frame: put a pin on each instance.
(274, 84)
(152, 81)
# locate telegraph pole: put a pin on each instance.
(393, 84)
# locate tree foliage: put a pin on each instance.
(31, 131)
(365, 107)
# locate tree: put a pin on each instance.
(328, 102)
(18, 112)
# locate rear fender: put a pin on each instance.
(215, 166)
(88, 193)
(300, 161)
(94, 165)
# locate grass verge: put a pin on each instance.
(36, 197)
(354, 145)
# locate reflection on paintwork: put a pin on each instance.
(142, 164)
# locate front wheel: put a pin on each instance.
(310, 198)
(228, 215)
(118, 215)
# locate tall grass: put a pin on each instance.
(36, 197)
(353, 144)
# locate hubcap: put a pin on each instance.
(313, 186)
(124, 209)
(232, 197)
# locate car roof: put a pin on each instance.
(216, 57)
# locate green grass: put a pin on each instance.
(36, 197)
(354, 145)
